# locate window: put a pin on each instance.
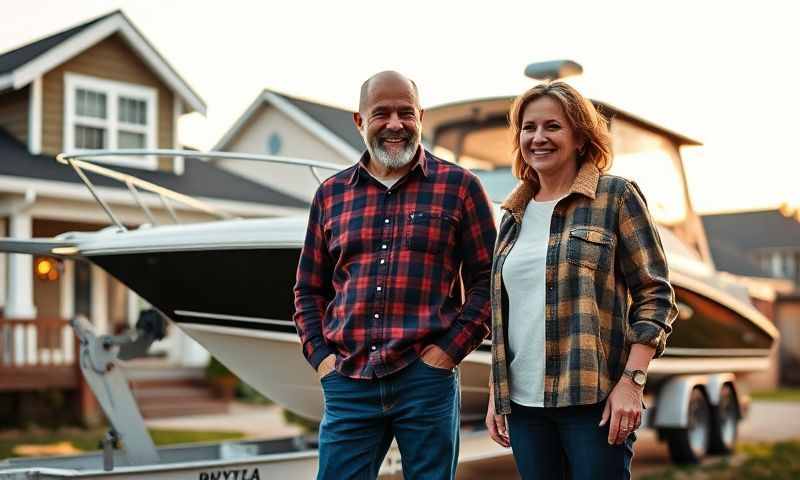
(274, 143)
(103, 114)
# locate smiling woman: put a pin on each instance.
(580, 297)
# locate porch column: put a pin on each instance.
(67, 311)
(19, 281)
(99, 307)
(3, 263)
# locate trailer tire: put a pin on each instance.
(725, 421)
(690, 444)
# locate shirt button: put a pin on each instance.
(379, 289)
(385, 220)
(383, 246)
(383, 261)
(377, 316)
(373, 348)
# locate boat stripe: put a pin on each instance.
(238, 318)
(221, 320)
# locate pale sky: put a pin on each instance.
(725, 73)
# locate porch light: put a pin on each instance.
(47, 269)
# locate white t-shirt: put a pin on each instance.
(524, 279)
(386, 181)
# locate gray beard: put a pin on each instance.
(390, 161)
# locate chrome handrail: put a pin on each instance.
(77, 160)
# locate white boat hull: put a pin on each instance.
(273, 364)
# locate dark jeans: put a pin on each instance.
(548, 443)
(419, 406)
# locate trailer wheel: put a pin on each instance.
(689, 445)
(725, 422)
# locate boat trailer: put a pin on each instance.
(128, 451)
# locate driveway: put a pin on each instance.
(767, 422)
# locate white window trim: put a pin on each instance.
(113, 90)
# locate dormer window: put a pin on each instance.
(102, 114)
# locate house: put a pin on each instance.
(283, 125)
(98, 85)
(769, 238)
(761, 249)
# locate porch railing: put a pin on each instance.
(37, 354)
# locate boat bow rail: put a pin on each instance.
(81, 163)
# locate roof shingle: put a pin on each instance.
(338, 120)
(24, 54)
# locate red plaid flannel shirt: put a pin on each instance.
(378, 277)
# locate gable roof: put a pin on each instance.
(337, 120)
(728, 258)
(18, 57)
(332, 125)
(754, 229)
(199, 179)
(21, 66)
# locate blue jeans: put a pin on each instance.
(419, 406)
(549, 443)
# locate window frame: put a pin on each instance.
(113, 90)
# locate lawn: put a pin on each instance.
(777, 461)
(786, 394)
(87, 440)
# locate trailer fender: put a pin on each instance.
(714, 384)
(672, 403)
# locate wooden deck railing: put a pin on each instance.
(37, 354)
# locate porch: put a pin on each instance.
(37, 354)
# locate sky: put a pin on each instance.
(724, 73)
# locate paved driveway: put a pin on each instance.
(767, 422)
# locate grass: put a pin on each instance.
(88, 440)
(755, 461)
(786, 394)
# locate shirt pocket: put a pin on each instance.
(591, 247)
(428, 232)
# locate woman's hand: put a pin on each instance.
(624, 409)
(497, 425)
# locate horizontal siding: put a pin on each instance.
(14, 113)
(110, 59)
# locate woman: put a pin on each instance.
(580, 297)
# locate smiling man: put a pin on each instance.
(379, 302)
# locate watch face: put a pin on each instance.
(639, 378)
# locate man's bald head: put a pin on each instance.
(386, 77)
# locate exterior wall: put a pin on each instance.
(14, 113)
(109, 59)
(297, 142)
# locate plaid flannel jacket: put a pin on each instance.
(607, 287)
(379, 274)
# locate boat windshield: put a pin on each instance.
(654, 163)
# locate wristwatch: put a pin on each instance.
(639, 377)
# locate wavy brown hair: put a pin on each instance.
(586, 122)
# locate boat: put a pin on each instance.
(228, 283)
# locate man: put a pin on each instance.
(378, 296)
